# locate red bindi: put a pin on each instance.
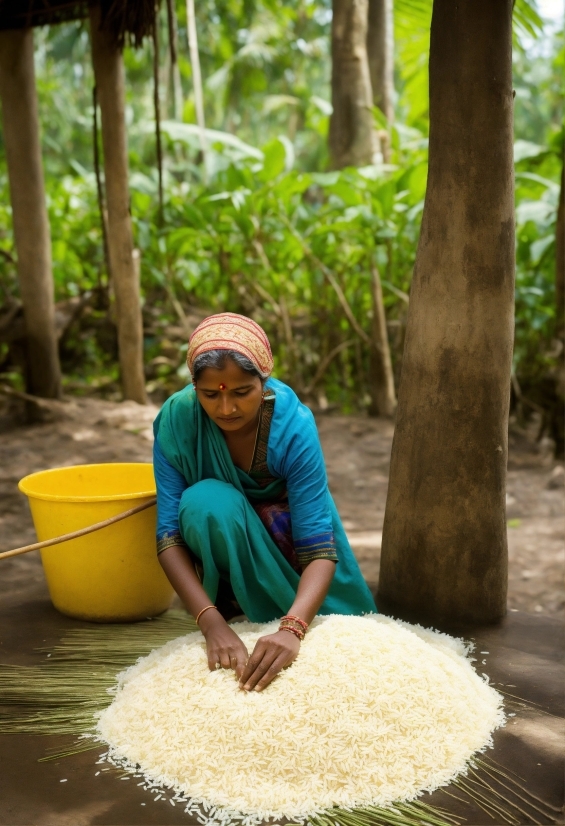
(222, 386)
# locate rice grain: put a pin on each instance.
(372, 712)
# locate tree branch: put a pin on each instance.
(332, 280)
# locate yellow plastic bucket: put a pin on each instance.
(111, 575)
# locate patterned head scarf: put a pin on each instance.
(230, 331)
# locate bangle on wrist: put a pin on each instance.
(297, 620)
(294, 625)
(203, 610)
(294, 631)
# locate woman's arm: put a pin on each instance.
(312, 589)
(302, 465)
(170, 487)
(222, 643)
(276, 651)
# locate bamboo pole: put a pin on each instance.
(560, 261)
(351, 138)
(197, 81)
(175, 71)
(380, 51)
(157, 110)
(109, 76)
(57, 540)
(29, 212)
(99, 186)
(381, 377)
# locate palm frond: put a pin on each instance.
(416, 12)
(412, 20)
(527, 19)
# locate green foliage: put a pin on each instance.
(270, 228)
(260, 240)
(539, 159)
(275, 58)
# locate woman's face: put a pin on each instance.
(230, 396)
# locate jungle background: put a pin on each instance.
(223, 238)
(261, 224)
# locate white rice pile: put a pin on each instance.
(373, 711)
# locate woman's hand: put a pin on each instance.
(222, 644)
(270, 655)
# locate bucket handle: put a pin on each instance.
(25, 549)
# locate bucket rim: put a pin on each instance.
(56, 497)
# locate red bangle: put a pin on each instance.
(296, 619)
(291, 626)
(294, 631)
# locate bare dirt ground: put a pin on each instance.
(357, 450)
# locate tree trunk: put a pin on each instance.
(173, 49)
(381, 377)
(192, 35)
(380, 51)
(109, 76)
(444, 552)
(31, 224)
(351, 137)
(556, 417)
(560, 260)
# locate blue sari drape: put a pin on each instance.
(217, 519)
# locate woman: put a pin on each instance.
(243, 504)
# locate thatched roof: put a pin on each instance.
(127, 19)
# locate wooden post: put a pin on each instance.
(380, 51)
(381, 376)
(175, 71)
(444, 552)
(197, 82)
(560, 261)
(352, 139)
(31, 224)
(109, 77)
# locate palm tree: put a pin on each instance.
(29, 211)
(380, 52)
(352, 139)
(444, 552)
(111, 22)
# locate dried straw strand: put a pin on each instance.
(65, 692)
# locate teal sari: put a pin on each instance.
(220, 526)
